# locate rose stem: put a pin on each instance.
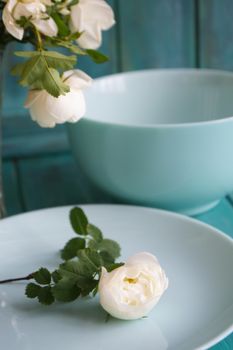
(30, 276)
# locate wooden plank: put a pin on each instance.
(55, 180)
(24, 138)
(215, 34)
(157, 33)
(11, 189)
(13, 94)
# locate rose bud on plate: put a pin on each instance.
(132, 290)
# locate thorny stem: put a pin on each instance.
(28, 277)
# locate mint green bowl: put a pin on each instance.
(160, 138)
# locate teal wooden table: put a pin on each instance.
(39, 170)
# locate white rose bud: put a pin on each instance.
(48, 111)
(132, 290)
(91, 17)
(34, 10)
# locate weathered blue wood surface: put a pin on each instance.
(39, 170)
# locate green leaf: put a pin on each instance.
(73, 2)
(90, 258)
(56, 276)
(107, 258)
(95, 233)
(72, 47)
(40, 71)
(111, 247)
(97, 56)
(26, 53)
(70, 269)
(33, 70)
(32, 290)
(53, 83)
(59, 61)
(45, 295)
(78, 221)
(63, 29)
(71, 248)
(111, 267)
(66, 290)
(86, 285)
(42, 276)
(18, 69)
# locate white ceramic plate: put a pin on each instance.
(195, 312)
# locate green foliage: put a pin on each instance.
(41, 70)
(97, 56)
(78, 221)
(71, 248)
(32, 290)
(45, 295)
(66, 290)
(42, 276)
(79, 274)
(95, 233)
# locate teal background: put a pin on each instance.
(38, 168)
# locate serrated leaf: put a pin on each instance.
(33, 70)
(86, 285)
(91, 259)
(32, 290)
(78, 221)
(111, 247)
(59, 61)
(92, 244)
(53, 84)
(66, 290)
(18, 69)
(95, 233)
(71, 248)
(63, 29)
(107, 258)
(97, 56)
(72, 47)
(56, 276)
(42, 276)
(45, 296)
(26, 53)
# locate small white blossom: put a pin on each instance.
(35, 10)
(132, 290)
(48, 111)
(91, 17)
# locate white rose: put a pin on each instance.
(35, 10)
(48, 111)
(91, 17)
(132, 290)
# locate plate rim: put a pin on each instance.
(220, 336)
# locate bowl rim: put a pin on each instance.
(188, 71)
